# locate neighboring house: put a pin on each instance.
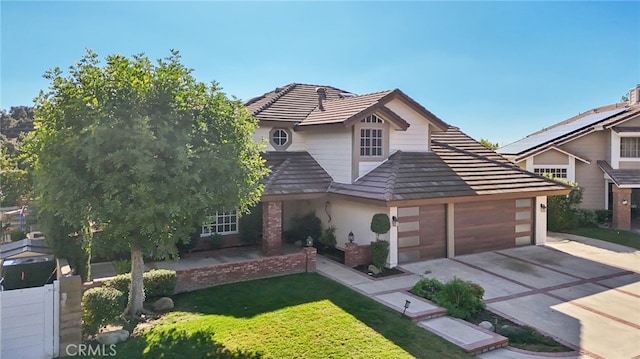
(347, 157)
(599, 149)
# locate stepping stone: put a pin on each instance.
(419, 308)
(467, 336)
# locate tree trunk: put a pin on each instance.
(136, 293)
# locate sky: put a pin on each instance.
(496, 70)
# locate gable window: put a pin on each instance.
(630, 147)
(372, 119)
(556, 172)
(280, 138)
(221, 223)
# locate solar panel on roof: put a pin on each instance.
(557, 132)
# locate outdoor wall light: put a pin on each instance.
(350, 237)
(309, 241)
(394, 219)
(543, 207)
(407, 303)
(625, 202)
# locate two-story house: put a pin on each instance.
(348, 157)
(598, 149)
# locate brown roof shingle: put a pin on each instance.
(294, 173)
(621, 177)
(341, 109)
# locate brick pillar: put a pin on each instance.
(355, 254)
(272, 228)
(621, 212)
(311, 258)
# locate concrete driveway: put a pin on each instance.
(584, 292)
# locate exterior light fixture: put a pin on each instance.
(309, 241)
(407, 303)
(543, 207)
(625, 202)
(394, 219)
(350, 237)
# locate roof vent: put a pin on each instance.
(322, 95)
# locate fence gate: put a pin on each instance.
(29, 322)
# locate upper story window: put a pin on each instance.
(630, 147)
(371, 137)
(280, 138)
(372, 119)
(221, 223)
(556, 172)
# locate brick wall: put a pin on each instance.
(209, 276)
(70, 329)
(355, 254)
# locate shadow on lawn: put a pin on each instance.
(172, 343)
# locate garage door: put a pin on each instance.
(492, 225)
(422, 233)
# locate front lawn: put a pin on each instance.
(296, 316)
(626, 238)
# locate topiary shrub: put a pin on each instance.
(379, 253)
(101, 306)
(380, 224)
(157, 283)
(461, 298)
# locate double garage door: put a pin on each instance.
(477, 227)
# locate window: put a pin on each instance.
(371, 142)
(372, 119)
(630, 147)
(221, 222)
(280, 138)
(556, 172)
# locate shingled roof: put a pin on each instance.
(294, 173)
(458, 167)
(290, 103)
(624, 178)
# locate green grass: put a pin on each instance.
(630, 239)
(297, 316)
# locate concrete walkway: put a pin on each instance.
(583, 292)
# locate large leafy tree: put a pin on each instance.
(140, 151)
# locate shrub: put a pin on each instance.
(157, 283)
(380, 224)
(328, 238)
(122, 266)
(562, 211)
(101, 306)
(603, 215)
(379, 253)
(427, 288)
(215, 240)
(303, 227)
(17, 235)
(585, 218)
(461, 298)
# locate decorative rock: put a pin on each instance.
(486, 325)
(112, 337)
(373, 269)
(162, 304)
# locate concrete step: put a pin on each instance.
(418, 309)
(467, 336)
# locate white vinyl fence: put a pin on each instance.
(29, 322)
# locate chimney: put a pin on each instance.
(634, 95)
(322, 95)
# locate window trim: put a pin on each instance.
(284, 146)
(207, 227)
(637, 144)
(378, 148)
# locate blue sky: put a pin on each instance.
(497, 70)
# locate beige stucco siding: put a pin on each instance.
(629, 165)
(593, 147)
(551, 157)
(416, 137)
